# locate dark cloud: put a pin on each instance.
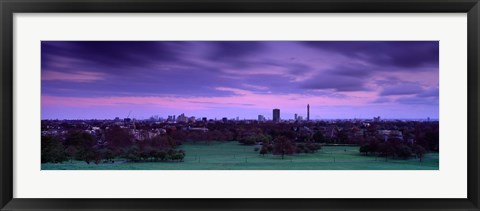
(417, 100)
(381, 100)
(432, 92)
(180, 82)
(405, 55)
(120, 54)
(351, 71)
(401, 89)
(151, 68)
(234, 53)
(341, 78)
(335, 82)
(293, 68)
(388, 81)
(234, 49)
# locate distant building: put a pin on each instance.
(224, 119)
(191, 119)
(204, 119)
(261, 118)
(376, 119)
(276, 115)
(388, 134)
(182, 118)
(171, 118)
(295, 117)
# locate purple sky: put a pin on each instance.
(215, 79)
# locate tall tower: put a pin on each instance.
(276, 115)
(308, 112)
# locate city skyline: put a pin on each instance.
(216, 79)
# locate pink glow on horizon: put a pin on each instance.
(241, 99)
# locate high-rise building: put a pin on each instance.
(182, 118)
(276, 115)
(308, 112)
(296, 117)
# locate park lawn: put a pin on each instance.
(233, 156)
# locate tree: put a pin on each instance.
(132, 154)
(52, 150)
(108, 155)
(87, 156)
(365, 148)
(71, 152)
(342, 136)
(403, 151)
(264, 150)
(118, 137)
(300, 148)
(249, 140)
(386, 149)
(432, 138)
(369, 147)
(318, 137)
(162, 155)
(283, 146)
(262, 138)
(83, 142)
(80, 139)
(177, 155)
(313, 147)
(419, 151)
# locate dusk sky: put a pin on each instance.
(215, 79)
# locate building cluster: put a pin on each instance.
(182, 118)
(296, 117)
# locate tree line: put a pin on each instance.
(272, 138)
(393, 148)
(116, 142)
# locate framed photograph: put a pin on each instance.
(248, 105)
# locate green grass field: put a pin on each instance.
(233, 156)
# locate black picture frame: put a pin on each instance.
(9, 7)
